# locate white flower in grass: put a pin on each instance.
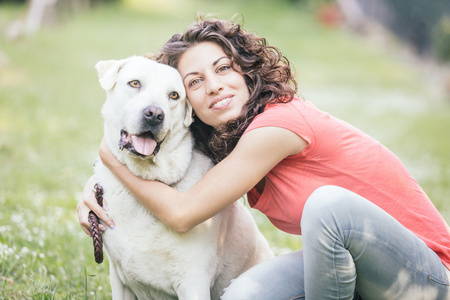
(5, 228)
(24, 251)
(17, 218)
(6, 251)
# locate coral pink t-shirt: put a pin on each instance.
(339, 154)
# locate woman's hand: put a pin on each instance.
(88, 203)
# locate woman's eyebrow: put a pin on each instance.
(213, 64)
(191, 73)
(219, 59)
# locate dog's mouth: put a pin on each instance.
(143, 144)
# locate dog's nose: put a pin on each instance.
(154, 115)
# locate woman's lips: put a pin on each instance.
(222, 102)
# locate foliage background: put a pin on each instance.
(50, 122)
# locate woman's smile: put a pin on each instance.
(222, 102)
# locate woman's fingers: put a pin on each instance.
(83, 213)
(103, 215)
(88, 203)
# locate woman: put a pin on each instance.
(367, 226)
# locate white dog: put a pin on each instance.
(147, 114)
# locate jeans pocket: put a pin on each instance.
(443, 278)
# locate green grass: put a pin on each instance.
(50, 123)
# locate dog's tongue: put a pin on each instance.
(144, 144)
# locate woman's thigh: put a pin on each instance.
(280, 278)
(349, 243)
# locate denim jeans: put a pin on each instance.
(352, 249)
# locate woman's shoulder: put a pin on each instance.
(295, 101)
(289, 115)
(296, 108)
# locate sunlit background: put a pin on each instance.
(381, 65)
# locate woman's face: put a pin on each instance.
(215, 90)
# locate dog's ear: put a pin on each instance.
(107, 71)
(188, 118)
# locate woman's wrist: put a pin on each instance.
(107, 157)
(92, 181)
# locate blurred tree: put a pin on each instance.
(413, 21)
(13, 1)
(441, 39)
(44, 13)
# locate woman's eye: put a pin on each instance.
(134, 83)
(223, 68)
(174, 96)
(194, 82)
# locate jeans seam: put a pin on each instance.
(297, 297)
(336, 275)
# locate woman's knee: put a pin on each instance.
(326, 202)
(324, 198)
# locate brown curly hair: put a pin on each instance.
(266, 71)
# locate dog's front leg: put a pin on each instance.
(194, 288)
(118, 289)
(195, 295)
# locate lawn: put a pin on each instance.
(50, 123)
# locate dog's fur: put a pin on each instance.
(147, 259)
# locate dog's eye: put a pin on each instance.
(134, 83)
(174, 96)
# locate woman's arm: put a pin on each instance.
(257, 152)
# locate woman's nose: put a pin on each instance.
(214, 85)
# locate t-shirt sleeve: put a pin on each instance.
(289, 116)
(253, 197)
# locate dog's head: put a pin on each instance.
(145, 102)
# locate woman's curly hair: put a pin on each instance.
(266, 71)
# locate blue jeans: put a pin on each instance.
(352, 249)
